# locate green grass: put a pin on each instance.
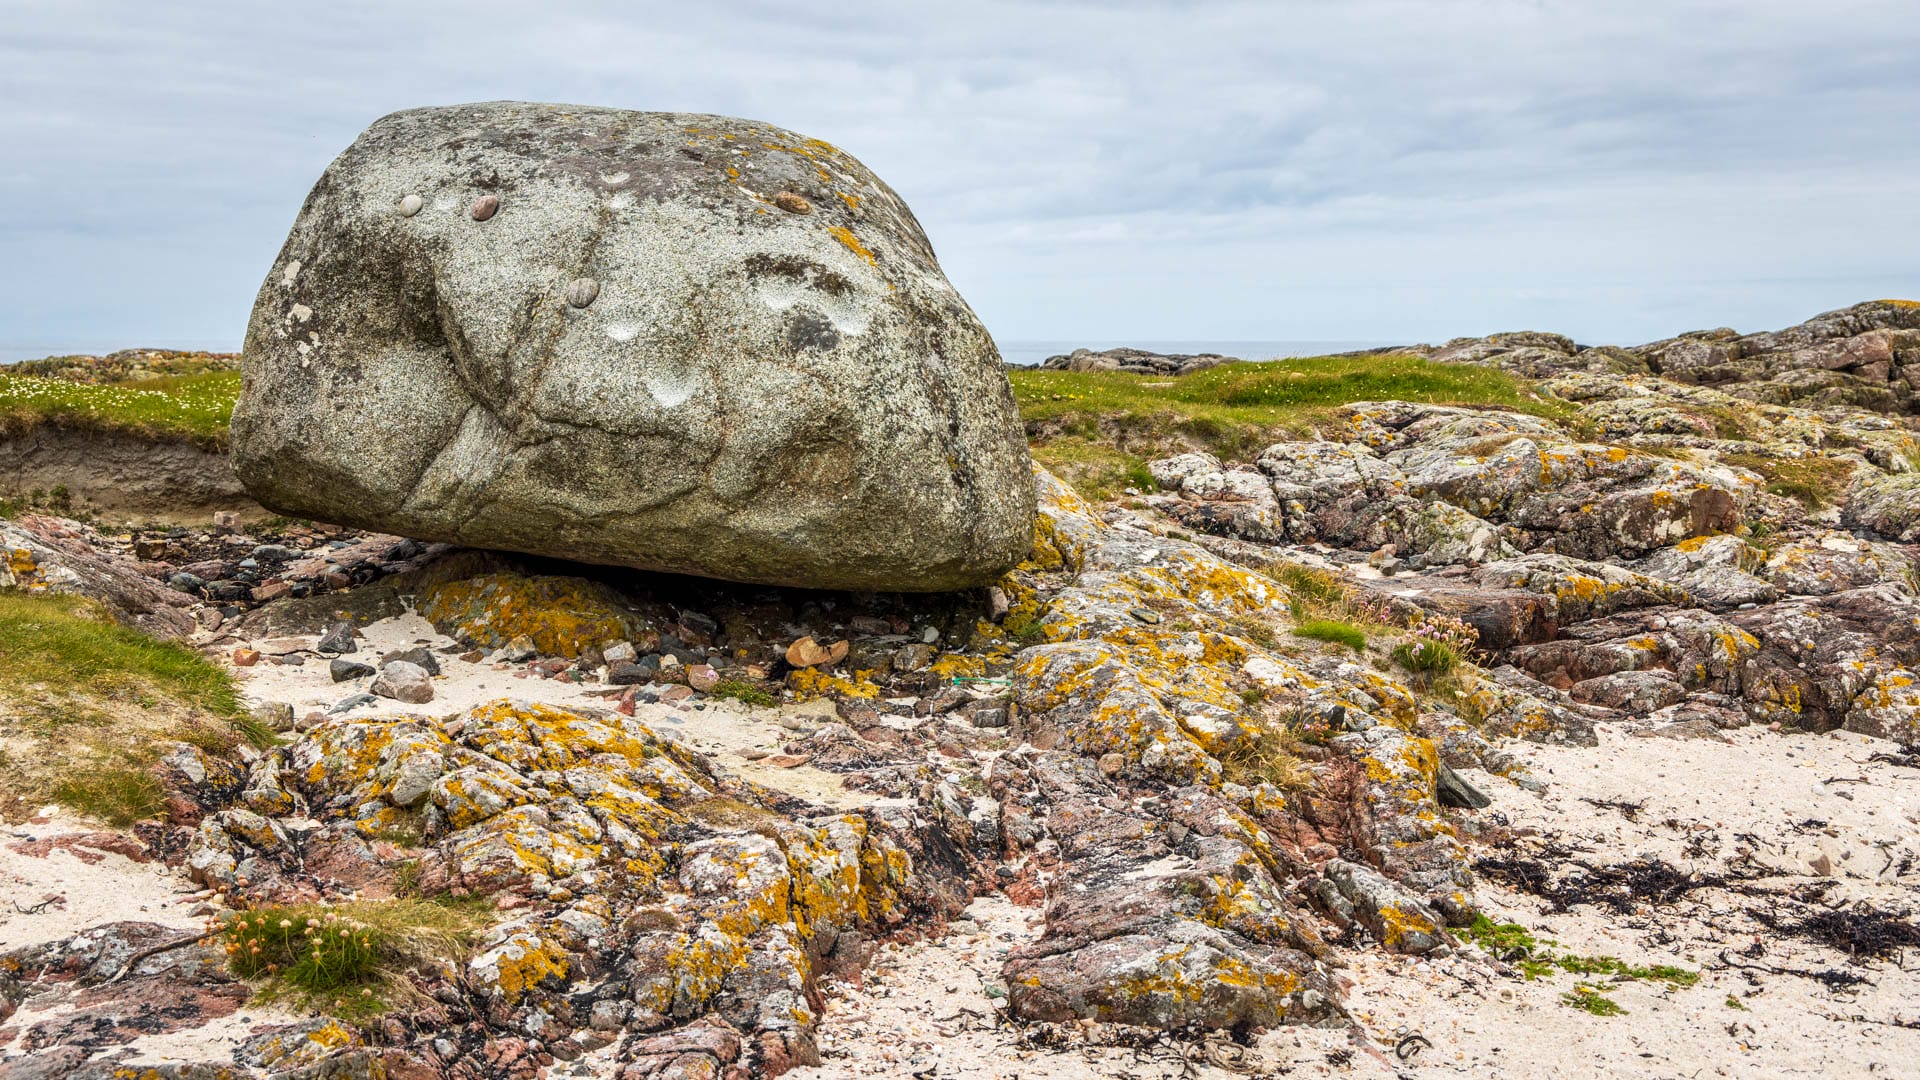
(1815, 481)
(350, 959)
(87, 705)
(1589, 999)
(71, 644)
(1426, 657)
(194, 408)
(1097, 429)
(1340, 633)
(1536, 959)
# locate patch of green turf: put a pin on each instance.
(1815, 481)
(1235, 410)
(194, 408)
(1339, 633)
(1589, 999)
(86, 706)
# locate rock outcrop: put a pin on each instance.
(1135, 361)
(1866, 356)
(676, 342)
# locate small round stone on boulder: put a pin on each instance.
(582, 291)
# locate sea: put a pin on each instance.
(1012, 351)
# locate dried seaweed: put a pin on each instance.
(1623, 887)
(1860, 930)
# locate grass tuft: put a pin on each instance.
(350, 959)
(1340, 633)
(1097, 428)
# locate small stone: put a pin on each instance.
(1145, 615)
(272, 590)
(702, 677)
(620, 652)
(342, 670)
(807, 653)
(245, 657)
(1111, 764)
(793, 203)
(410, 205)
(1453, 790)
(632, 674)
(582, 291)
(485, 207)
(406, 682)
(419, 656)
(225, 521)
(997, 603)
(789, 761)
(337, 639)
(675, 693)
(519, 648)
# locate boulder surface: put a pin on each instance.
(677, 342)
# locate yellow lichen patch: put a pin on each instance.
(955, 665)
(809, 684)
(1399, 924)
(560, 615)
(852, 242)
(520, 964)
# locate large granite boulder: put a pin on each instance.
(677, 342)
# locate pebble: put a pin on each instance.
(582, 291)
(793, 203)
(485, 207)
(1145, 615)
(410, 205)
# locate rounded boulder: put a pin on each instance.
(608, 336)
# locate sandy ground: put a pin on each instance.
(925, 1009)
(54, 883)
(70, 888)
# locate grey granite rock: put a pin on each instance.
(751, 393)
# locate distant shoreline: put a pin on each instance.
(1013, 351)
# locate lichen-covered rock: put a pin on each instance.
(766, 377)
(1886, 506)
(44, 554)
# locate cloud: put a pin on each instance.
(1359, 169)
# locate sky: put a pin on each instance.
(1347, 170)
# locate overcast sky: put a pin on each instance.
(1353, 169)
